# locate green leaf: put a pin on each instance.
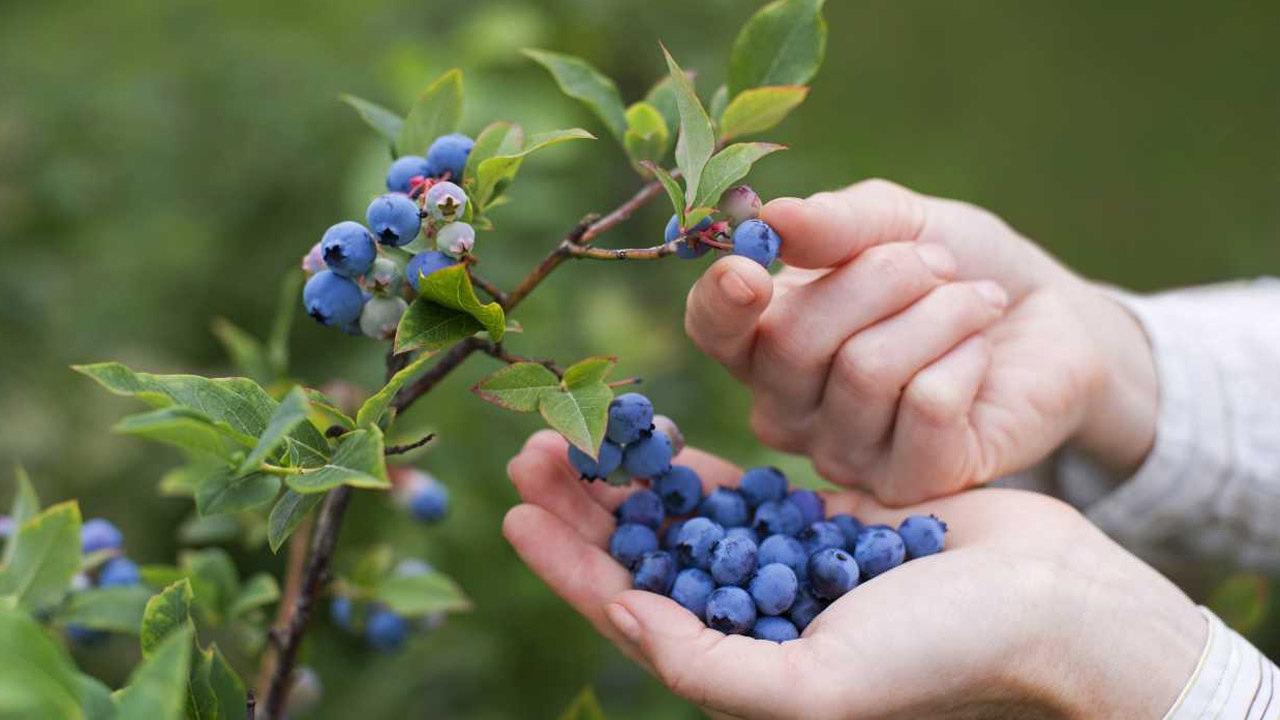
(246, 352)
(187, 429)
(287, 513)
(358, 462)
(498, 138)
(375, 407)
(580, 411)
(696, 215)
(215, 583)
(114, 609)
(290, 413)
(451, 288)
(719, 101)
(584, 707)
(227, 688)
(518, 387)
(46, 554)
(436, 112)
(662, 96)
(647, 136)
(37, 679)
(325, 413)
(166, 614)
(759, 109)
(388, 124)
(429, 327)
(157, 689)
(495, 173)
(582, 82)
(95, 698)
(282, 321)
(589, 370)
(259, 590)
(672, 187)
(419, 595)
(728, 167)
(782, 44)
(222, 492)
(26, 504)
(697, 138)
(373, 565)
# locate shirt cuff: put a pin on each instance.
(1233, 681)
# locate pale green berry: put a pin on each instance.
(456, 239)
(381, 316)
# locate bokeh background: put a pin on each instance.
(161, 163)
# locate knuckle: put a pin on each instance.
(897, 271)
(903, 209)
(865, 369)
(779, 340)
(933, 403)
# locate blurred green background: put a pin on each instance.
(162, 162)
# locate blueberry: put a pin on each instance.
(805, 608)
(671, 537)
(731, 611)
(762, 484)
(394, 219)
(671, 430)
(786, 550)
(340, 611)
(83, 636)
(446, 202)
(691, 589)
(630, 416)
(642, 507)
(756, 240)
(648, 457)
(685, 249)
(922, 535)
(404, 170)
(778, 518)
(380, 317)
(348, 249)
(741, 532)
(850, 526)
(774, 629)
(99, 534)
(726, 506)
(425, 263)
(118, 572)
(385, 630)
(448, 154)
(680, 490)
(456, 239)
(774, 588)
(384, 278)
(313, 261)
(740, 203)
(607, 460)
(429, 502)
(655, 572)
(332, 300)
(697, 538)
(832, 573)
(733, 560)
(879, 549)
(630, 542)
(820, 536)
(812, 507)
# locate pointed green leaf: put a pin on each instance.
(436, 112)
(325, 413)
(226, 686)
(418, 595)
(662, 96)
(582, 82)
(429, 327)
(222, 492)
(672, 187)
(498, 138)
(719, 101)
(697, 138)
(166, 614)
(187, 429)
(759, 109)
(37, 679)
(579, 414)
(728, 167)
(782, 44)
(375, 407)
(246, 352)
(357, 462)
(696, 215)
(588, 371)
(495, 173)
(584, 707)
(26, 505)
(114, 609)
(215, 582)
(259, 590)
(647, 136)
(388, 124)
(157, 689)
(518, 387)
(281, 322)
(289, 414)
(451, 288)
(46, 554)
(287, 513)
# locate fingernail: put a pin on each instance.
(624, 621)
(938, 259)
(992, 293)
(736, 289)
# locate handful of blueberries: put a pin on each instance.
(762, 559)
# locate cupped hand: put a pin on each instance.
(915, 346)
(1028, 612)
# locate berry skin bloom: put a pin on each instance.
(774, 629)
(456, 239)
(832, 573)
(680, 490)
(448, 154)
(879, 550)
(446, 202)
(741, 532)
(348, 249)
(726, 506)
(850, 526)
(922, 535)
(731, 611)
(774, 588)
(762, 484)
(607, 460)
(785, 550)
(733, 560)
(685, 249)
(385, 631)
(119, 572)
(655, 572)
(100, 534)
(812, 507)
(425, 263)
(740, 203)
(671, 537)
(642, 507)
(332, 300)
(630, 543)
(630, 416)
(404, 170)
(394, 219)
(648, 457)
(820, 536)
(381, 316)
(804, 609)
(756, 240)
(697, 538)
(691, 589)
(778, 518)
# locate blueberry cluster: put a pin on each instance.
(425, 498)
(101, 536)
(762, 559)
(354, 282)
(382, 628)
(741, 233)
(637, 444)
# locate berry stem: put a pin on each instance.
(402, 449)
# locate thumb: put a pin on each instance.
(831, 228)
(723, 308)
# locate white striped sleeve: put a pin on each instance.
(1233, 681)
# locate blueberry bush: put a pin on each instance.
(276, 460)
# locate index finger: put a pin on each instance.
(831, 228)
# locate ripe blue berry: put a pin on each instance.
(922, 535)
(385, 630)
(448, 154)
(804, 609)
(762, 484)
(394, 219)
(340, 611)
(850, 526)
(380, 317)
(812, 507)
(648, 457)
(832, 573)
(756, 240)
(655, 572)
(820, 536)
(456, 239)
(607, 460)
(99, 534)
(425, 263)
(774, 629)
(777, 517)
(774, 588)
(630, 416)
(733, 560)
(332, 300)
(630, 542)
(671, 538)
(430, 502)
(740, 203)
(879, 549)
(446, 202)
(680, 490)
(731, 611)
(726, 506)
(404, 170)
(118, 572)
(685, 249)
(348, 249)
(83, 636)
(691, 589)
(742, 532)
(697, 538)
(786, 550)
(642, 507)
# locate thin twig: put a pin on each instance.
(625, 382)
(402, 449)
(497, 350)
(294, 567)
(657, 252)
(432, 377)
(498, 294)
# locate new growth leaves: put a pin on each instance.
(576, 405)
